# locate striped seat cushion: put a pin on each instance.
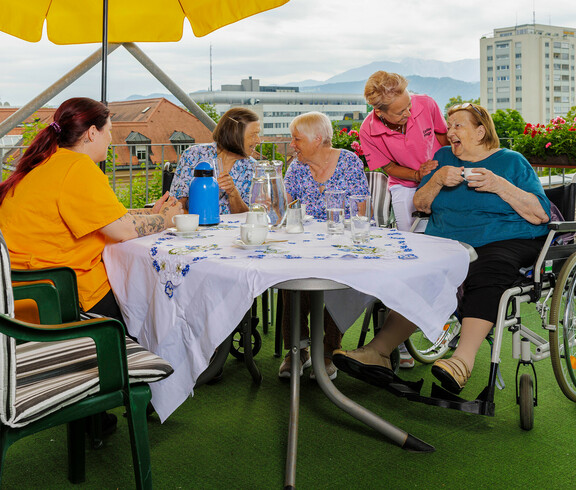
(51, 375)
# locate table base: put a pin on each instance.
(316, 287)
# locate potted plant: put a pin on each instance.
(552, 144)
(348, 140)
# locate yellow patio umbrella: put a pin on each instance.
(121, 21)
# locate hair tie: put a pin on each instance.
(56, 127)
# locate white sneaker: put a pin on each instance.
(331, 371)
(406, 359)
(286, 366)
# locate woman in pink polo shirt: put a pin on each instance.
(401, 135)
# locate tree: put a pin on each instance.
(508, 123)
(458, 100)
(571, 114)
(210, 109)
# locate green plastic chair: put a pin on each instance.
(31, 401)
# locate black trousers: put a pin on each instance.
(495, 270)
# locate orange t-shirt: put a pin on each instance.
(52, 216)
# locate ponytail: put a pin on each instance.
(71, 120)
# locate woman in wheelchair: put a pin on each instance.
(485, 196)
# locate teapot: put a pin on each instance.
(268, 191)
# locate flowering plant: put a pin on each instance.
(349, 140)
(558, 137)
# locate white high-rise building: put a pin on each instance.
(529, 68)
(277, 106)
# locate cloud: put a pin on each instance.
(304, 39)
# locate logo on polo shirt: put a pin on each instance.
(427, 132)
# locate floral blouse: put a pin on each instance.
(241, 173)
(348, 176)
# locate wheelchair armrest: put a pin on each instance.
(471, 251)
(562, 226)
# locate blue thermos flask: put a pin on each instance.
(203, 196)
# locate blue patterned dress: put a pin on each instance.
(241, 173)
(348, 176)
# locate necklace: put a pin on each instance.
(399, 128)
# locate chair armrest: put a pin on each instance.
(562, 226)
(108, 335)
(46, 297)
(64, 279)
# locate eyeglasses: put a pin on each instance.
(465, 105)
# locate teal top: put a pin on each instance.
(478, 218)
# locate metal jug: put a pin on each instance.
(268, 190)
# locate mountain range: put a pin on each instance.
(438, 79)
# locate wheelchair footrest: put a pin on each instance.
(441, 398)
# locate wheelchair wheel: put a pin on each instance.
(427, 352)
(563, 338)
(237, 348)
(526, 402)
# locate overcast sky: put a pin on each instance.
(304, 39)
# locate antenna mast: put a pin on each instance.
(210, 68)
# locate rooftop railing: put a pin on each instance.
(138, 183)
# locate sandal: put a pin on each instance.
(453, 373)
(365, 364)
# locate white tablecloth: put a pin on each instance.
(181, 297)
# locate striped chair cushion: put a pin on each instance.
(51, 375)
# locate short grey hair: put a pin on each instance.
(313, 125)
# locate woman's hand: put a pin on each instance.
(425, 169)
(484, 180)
(166, 198)
(448, 176)
(226, 184)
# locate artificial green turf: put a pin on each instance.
(233, 435)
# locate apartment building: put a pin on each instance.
(278, 105)
(529, 68)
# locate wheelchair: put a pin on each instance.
(551, 287)
(418, 345)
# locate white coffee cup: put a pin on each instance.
(467, 172)
(253, 234)
(186, 222)
(257, 218)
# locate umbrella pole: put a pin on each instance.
(104, 62)
(104, 52)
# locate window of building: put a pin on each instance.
(502, 79)
(518, 55)
(489, 68)
(490, 79)
(489, 47)
(518, 100)
(489, 58)
(518, 77)
(518, 88)
(502, 45)
(502, 67)
(518, 67)
(503, 100)
(502, 57)
(500, 90)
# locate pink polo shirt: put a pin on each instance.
(381, 145)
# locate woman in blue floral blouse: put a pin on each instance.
(235, 137)
(318, 168)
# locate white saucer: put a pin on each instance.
(183, 234)
(239, 243)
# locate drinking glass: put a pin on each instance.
(335, 212)
(360, 212)
(218, 167)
